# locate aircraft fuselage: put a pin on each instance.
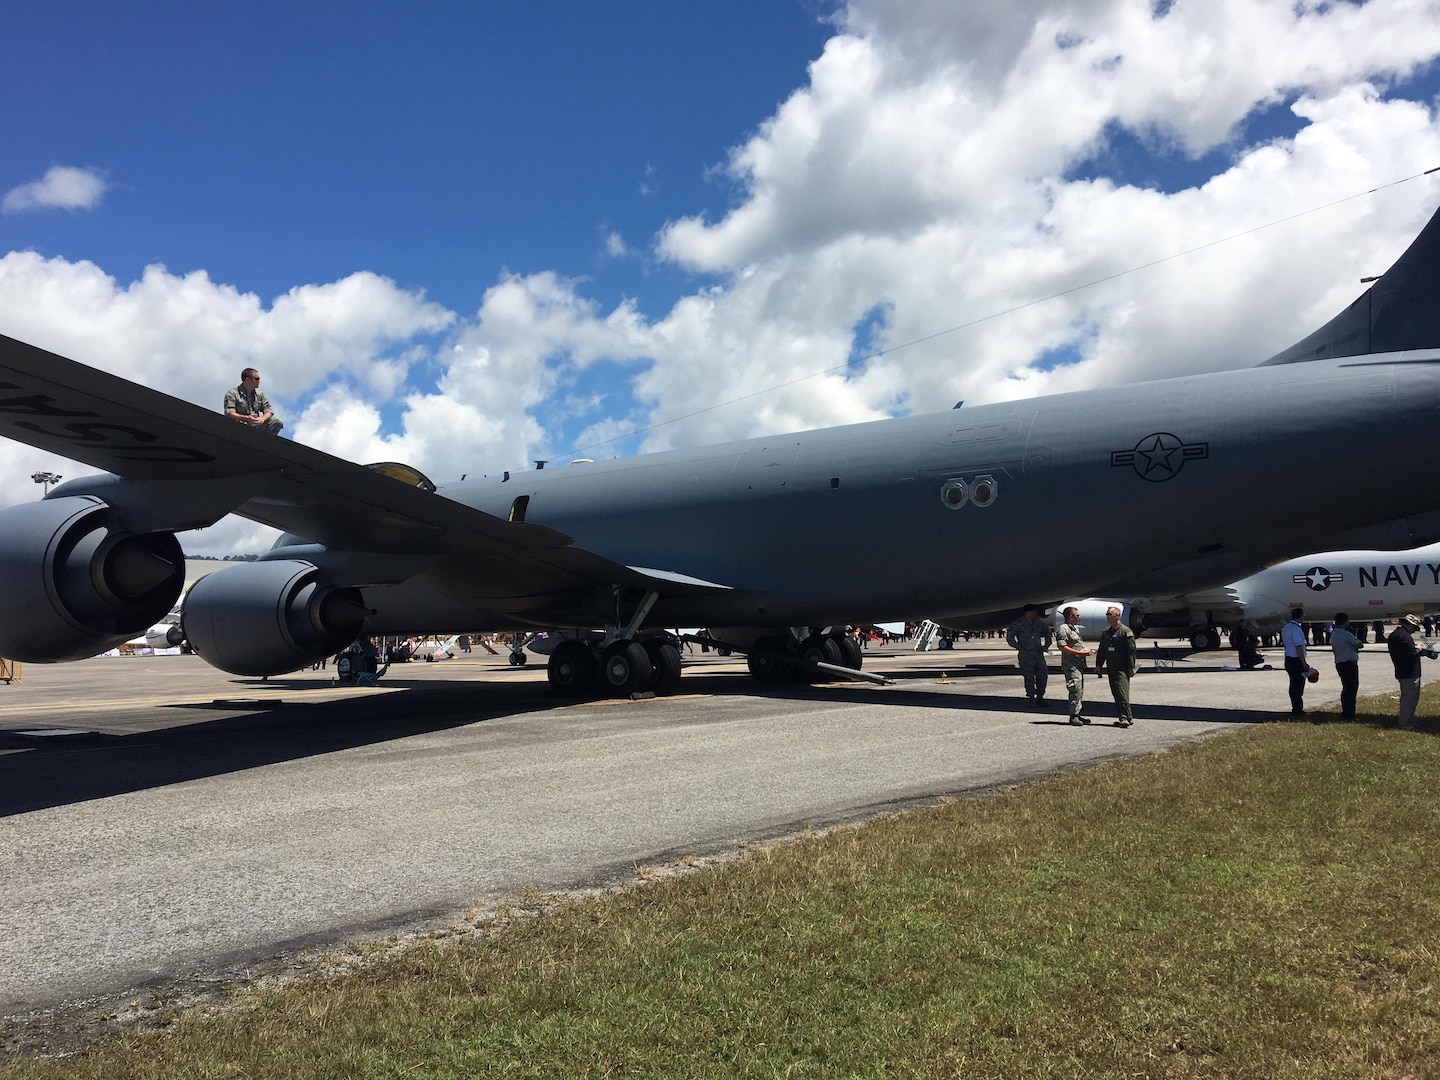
(980, 508)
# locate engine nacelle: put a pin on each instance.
(265, 618)
(72, 584)
(1092, 614)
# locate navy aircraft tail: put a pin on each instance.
(1400, 312)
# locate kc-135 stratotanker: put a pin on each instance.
(1197, 480)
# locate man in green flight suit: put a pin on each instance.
(1116, 655)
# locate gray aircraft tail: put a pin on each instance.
(1400, 311)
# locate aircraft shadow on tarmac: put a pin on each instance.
(77, 769)
(97, 765)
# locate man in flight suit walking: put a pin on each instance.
(1031, 637)
(1116, 654)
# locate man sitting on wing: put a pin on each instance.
(248, 404)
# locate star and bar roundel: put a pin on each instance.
(1160, 456)
(1317, 578)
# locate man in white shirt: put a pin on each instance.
(1297, 666)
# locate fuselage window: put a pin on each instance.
(518, 507)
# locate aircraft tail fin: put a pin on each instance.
(1401, 311)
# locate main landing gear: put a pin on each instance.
(807, 655)
(619, 668)
(1205, 638)
(800, 654)
(627, 667)
(620, 664)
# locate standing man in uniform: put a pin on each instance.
(1346, 647)
(248, 404)
(1031, 637)
(1116, 654)
(1297, 665)
(1406, 657)
(1072, 661)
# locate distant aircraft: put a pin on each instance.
(1366, 585)
(164, 635)
(168, 633)
(1195, 478)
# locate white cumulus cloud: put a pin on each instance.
(948, 162)
(63, 187)
(191, 337)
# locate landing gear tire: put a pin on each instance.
(819, 650)
(571, 670)
(517, 658)
(851, 655)
(665, 666)
(625, 668)
(1202, 640)
(766, 669)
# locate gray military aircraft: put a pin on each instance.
(1197, 477)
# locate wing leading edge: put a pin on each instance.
(209, 466)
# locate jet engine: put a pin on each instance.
(75, 584)
(1092, 615)
(265, 618)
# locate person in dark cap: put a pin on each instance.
(1030, 636)
(1405, 655)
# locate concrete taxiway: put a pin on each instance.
(160, 820)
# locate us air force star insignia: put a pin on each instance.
(1160, 456)
(1317, 578)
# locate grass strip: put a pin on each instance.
(1265, 903)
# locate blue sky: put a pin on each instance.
(470, 235)
(277, 144)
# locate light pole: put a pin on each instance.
(46, 478)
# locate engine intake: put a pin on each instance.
(74, 584)
(265, 618)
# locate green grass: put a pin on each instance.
(1263, 904)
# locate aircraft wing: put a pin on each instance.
(209, 465)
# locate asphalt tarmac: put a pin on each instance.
(162, 821)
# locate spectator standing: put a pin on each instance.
(1297, 665)
(1072, 662)
(1116, 653)
(1031, 638)
(1405, 655)
(1346, 647)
